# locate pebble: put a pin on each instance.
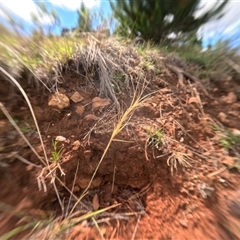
(222, 117)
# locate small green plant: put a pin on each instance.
(155, 138)
(215, 127)
(56, 152)
(118, 76)
(230, 141)
(224, 142)
(25, 129)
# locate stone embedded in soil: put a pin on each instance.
(236, 106)
(146, 110)
(194, 100)
(236, 132)
(95, 202)
(76, 97)
(59, 100)
(222, 117)
(80, 110)
(83, 182)
(98, 104)
(76, 145)
(228, 161)
(60, 138)
(234, 113)
(183, 223)
(166, 90)
(76, 189)
(230, 98)
(90, 119)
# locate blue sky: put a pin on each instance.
(66, 9)
(226, 27)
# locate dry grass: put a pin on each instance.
(107, 60)
(111, 68)
(120, 125)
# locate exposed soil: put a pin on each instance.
(198, 200)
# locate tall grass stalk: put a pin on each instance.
(11, 120)
(24, 64)
(124, 119)
(13, 80)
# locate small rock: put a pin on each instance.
(76, 97)
(60, 138)
(87, 154)
(230, 98)
(183, 222)
(222, 117)
(61, 90)
(95, 202)
(146, 110)
(83, 182)
(80, 110)
(191, 189)
(234, 113)
(221, 180)
(184, 192)
(90, 119)
(193, 100)
(236, 106)
(59, 100)
(154, 105)
(166, 90)
(236, 132)
(76, 145)
(98, 104)
(76, 188)
(228, 161)
(184, 204)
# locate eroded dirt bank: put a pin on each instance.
(165, 167)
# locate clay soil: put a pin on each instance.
(159, 197)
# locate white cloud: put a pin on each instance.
(224, 27)
(204, 6)
(1, 12)
(23, 9)
(75, 4)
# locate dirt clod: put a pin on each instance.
(60, 138)
(84, 181)
(76, 97)
(59, 101)
(230, 98)
(222, 117)
(80, 110)
(90, 119)
(99, 104)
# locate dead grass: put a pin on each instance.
(108, 60)
(112, 68)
